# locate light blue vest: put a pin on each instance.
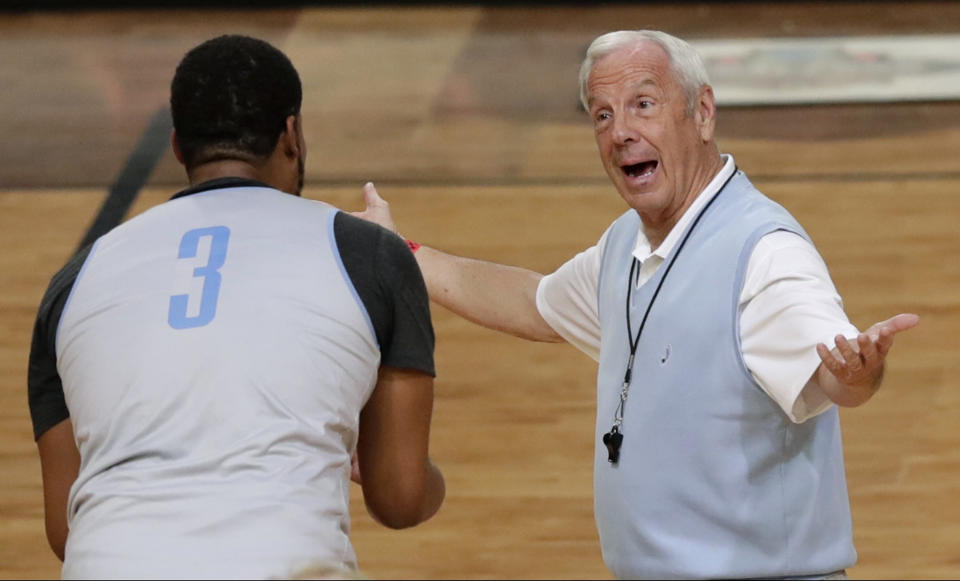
(713, 480)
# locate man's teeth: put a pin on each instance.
(642, 169)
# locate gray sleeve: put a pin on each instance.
(391, 287)
(44, 388)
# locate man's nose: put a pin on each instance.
(624, 130)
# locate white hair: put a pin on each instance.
(685, 63)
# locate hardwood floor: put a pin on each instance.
(466, 118)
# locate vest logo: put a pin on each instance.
(666, 355)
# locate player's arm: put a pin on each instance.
(52, 428)
(401, 485)
(496, 296)
(59, 466)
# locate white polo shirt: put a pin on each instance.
(788, 304)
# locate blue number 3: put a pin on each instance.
(219, 236)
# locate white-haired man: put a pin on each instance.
(709, 311)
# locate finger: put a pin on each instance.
(902, 322)
(371, 197)
(850, 356)
(869, 353)
(355, 469)
(895, 324)
(884, 340)
(835, 366)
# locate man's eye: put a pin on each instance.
(602, 116)
(645, 104)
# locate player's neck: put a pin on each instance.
(224, 168)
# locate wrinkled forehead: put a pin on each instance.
(642, 65)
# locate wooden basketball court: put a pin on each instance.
(466, 118)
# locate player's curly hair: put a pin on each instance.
(230, 98)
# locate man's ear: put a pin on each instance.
(176, 146)
(705, 111)
(290, 138)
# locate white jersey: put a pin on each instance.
(217, 440)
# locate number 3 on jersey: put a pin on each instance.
(209, 272)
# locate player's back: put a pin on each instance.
(215, 358)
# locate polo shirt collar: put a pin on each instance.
(641, 250)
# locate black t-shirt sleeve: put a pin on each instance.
(44, 388)
(391, 287)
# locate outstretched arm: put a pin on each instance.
(496, 296)
(851, 372)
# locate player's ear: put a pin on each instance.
(176, 146)
(290, 139)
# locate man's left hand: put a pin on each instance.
(859, 364)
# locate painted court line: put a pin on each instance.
(143, 159)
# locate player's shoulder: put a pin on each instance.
(352, 224)
(63, 280)
(353, 231)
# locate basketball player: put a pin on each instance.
(200, 377)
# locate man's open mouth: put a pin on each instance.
(644, 168)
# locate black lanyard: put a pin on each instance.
(614, 438)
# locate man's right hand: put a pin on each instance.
(377, 210)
